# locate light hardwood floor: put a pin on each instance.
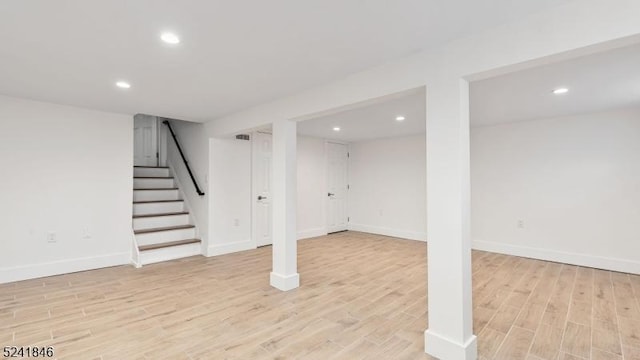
(362, 297)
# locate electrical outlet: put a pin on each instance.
(520, 224)
(52, 237)
(86, 234)
(236, 222)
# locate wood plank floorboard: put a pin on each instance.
(362, 296)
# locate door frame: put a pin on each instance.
(155, 136)
(161, 145)
(326, 181)
(254, 191)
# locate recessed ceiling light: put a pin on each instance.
(560, 91)
(336, 128)
(400, 118)
(123, 85)
(170, 38)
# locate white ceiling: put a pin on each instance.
(596, 83)
(234, 54)
(372, 121)
(599, 82)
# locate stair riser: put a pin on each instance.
(155, 195)
(165, 236)
(158, 208)
(160, 221)
(150, 172)
(153, 183)
(170, 253)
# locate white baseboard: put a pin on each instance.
(443, 348)
(25, 272)
(598, 262)
(311, 233)
(285, 282)
(404, 234)
(228, 248)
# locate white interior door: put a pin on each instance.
(337, 185)
(145, 141)
(262, 189)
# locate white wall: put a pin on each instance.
(231, 197)
(312, 188)
(195, 146)
(388, 187)
(230, 188)
(573, 181)
(65, 170)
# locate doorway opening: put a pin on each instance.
(149, 141)
(360, 168)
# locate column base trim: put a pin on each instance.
(285, 282)
(443, 348)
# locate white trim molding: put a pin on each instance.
(285, 282)
(135, 251)
(587, 260)
(228, 248)
(188, 206)
(26, 272)
(311, 233)
(443, 348)
(403, 234)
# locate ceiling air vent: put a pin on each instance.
(242, 137)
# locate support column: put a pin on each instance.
(284, 275)
(450, 333)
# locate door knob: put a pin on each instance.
(330, 194)
(261, 197)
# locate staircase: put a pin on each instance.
(162, 225)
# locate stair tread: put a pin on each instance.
(168, 228)
(161, 214)
(157, 201)
(153, 177)
(151, 167)
(157, 189)
(168, 244)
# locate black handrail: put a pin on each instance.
(186, 163)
